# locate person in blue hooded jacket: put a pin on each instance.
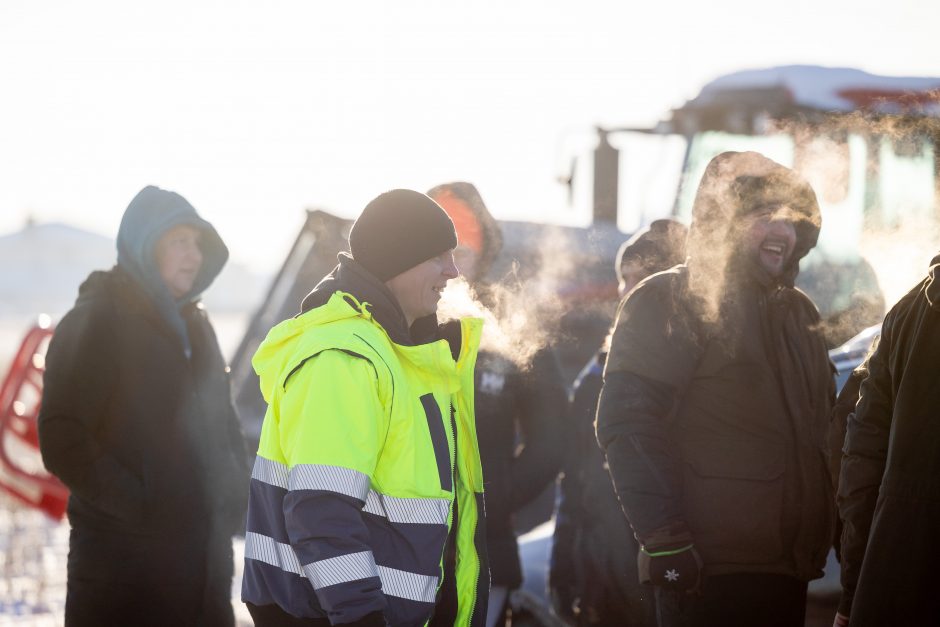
(137, 421)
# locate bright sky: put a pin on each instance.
(255, 111)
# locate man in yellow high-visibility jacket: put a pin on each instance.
(368, 463)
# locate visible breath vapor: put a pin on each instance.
(522, 309)
(898, 239)
(900, 257)
(733, 188)
(898, 234)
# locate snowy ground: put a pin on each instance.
(33, 552)
(33, 548)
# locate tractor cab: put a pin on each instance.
(869, 145)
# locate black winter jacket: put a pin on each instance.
(705, 435)
(594, 551)
(715, 410)
(889, 488)
(519, 418)
(149, 445)
(519, 413)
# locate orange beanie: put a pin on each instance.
(469, 231)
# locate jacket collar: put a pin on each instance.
(350, 277)
(129, 295)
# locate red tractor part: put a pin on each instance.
(22, 473)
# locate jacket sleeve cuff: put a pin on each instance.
(672, 537)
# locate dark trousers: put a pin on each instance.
(274, 616)
(90, 603)
(741, 600)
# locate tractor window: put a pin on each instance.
(901, 226)
(649, 174)
(905, 184)
(836, 170)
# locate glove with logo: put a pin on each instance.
(672, 567)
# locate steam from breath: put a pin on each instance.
(900, 231)
(733, 189)
(522, 309)
(900, 251)
(901, 258)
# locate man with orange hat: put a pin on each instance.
(519, 407)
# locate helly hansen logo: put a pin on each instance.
(492, 382)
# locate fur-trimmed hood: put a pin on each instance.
(734, 185)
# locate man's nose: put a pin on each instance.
(450, 268)
(782, 228)
(194, 253)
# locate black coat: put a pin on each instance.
(718, 434)
(149, 445)
(519, 412)
(594, 551)
(889, 488)
(519, 417)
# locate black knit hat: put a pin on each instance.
(398, 230)
(656, 248)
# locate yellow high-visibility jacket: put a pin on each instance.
(368, 451)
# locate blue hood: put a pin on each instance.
(151, 213)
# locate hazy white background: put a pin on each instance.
(255, 111)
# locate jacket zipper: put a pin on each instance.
(476, 581)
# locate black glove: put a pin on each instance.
(671, 567)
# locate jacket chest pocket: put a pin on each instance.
(733, 497)
(439, 440)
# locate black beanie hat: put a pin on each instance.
(398, 230)
(656, 248)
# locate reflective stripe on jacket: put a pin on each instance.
(364, 447)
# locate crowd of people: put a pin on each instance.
(707, 468)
